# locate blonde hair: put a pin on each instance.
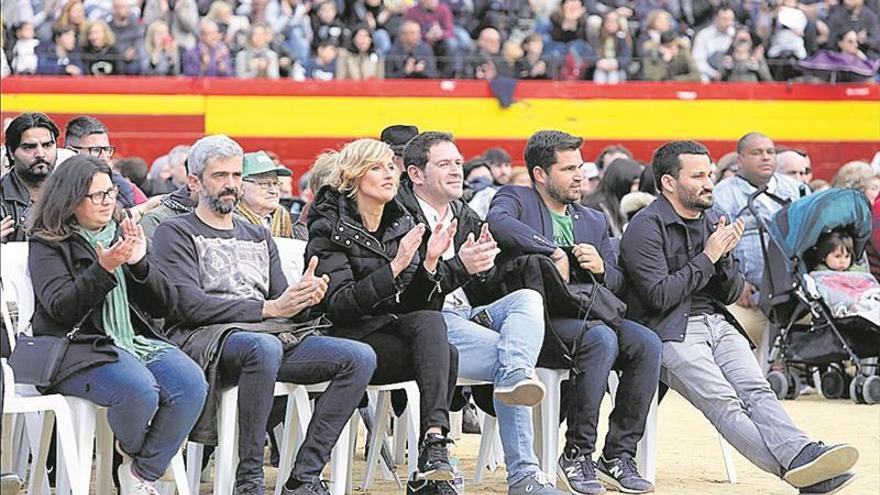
(109, 37)
(218, 10)
(324, 172)
(854, 175)
(149, 47)
(356, 158)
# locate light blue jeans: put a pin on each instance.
(501, 354)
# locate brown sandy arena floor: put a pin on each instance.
(689, 459)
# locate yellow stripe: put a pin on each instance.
(287, 116)
(248, 116)
(104, 104)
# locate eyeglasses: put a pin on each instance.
(265, 185)
(101, 197)
(95, 151)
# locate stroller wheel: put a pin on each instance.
(855, 389)
(871, 390)
(794, 385)
(778, 383)
(833, 383)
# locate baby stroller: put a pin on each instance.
(805, 335)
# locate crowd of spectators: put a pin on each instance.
(606, 41)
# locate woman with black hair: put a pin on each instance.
(91, 276)
(620, 178)
(359, 60)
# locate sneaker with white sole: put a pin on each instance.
(818, 462)
(535, 484)
(132, 484)
(522, 389)
(622, 475)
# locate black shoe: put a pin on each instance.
(434, 458)
(818, 462)
(828, 487)
(469, 421)
(623, 475)
(579, 474)
(314, 488)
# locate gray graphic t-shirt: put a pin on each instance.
(222, 276)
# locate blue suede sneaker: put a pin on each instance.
(623, 475)
(818, 462)
(828, 487)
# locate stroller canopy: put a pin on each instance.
(797, 226)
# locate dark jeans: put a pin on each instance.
(634, 351)
(415, 347)
(255, 361)
(151, 408)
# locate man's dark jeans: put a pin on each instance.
(634, 351)
(255, 361)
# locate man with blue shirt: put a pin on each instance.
(547, 219)
(756, 155)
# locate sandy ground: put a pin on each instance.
(689, 457)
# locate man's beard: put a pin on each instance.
(559, 195)
(695, 200)
(221, 206)
(31, 174)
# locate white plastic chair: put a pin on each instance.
(490, 442)
(410, 424)
(16, 288)
(86, 415)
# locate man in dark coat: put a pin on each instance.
(676, 253)
(31, 146)
(498, 337)
(548, 220)
(236, 309)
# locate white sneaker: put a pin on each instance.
(131, 484)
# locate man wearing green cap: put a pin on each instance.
(261, 194)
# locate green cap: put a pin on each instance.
(259, 162)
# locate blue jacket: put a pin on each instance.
(521, 224)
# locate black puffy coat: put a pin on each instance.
(364, 295)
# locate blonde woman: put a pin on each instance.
(161, 55)
(368, 245)
(861, 176)
(100, 55)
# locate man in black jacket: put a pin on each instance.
(498, 339)
(32, 147)
(233, 300)
(676, 253)
(548, 220)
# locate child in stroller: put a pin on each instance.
(848, 288)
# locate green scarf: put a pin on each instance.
(115, 315)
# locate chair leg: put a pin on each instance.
(104, 455)
(339, 461)
(178, 469)
(194, 452)
(646, 455)
(224, 466)
(296, 421)
(727, 456)
(549, 421)
(487, 444)
(400, 427)
(380, 426)
(352, 447)
(84, 417)
(39, 437)
(79, 479)
(413, 431)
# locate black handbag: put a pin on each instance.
(35, 360)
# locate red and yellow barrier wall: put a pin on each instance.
(147, 116)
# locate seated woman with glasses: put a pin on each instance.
(261, 195)
(379, 285)
(90, 272)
